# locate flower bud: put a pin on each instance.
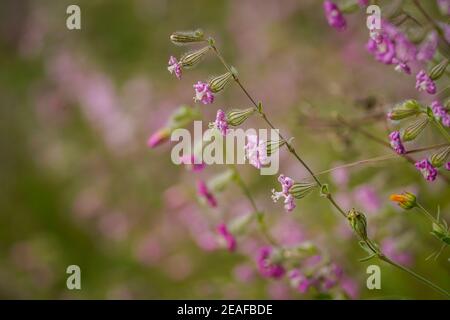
(186, 37)
(406, 200)
(404, 110)
(438, 70)
(159, 137)
(236, 117)
(413, 130)
(218, 83)
(302, 189)
(358, 223)
(273, 146)
(438, 158)
(190, 59)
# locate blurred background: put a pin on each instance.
(80, 186)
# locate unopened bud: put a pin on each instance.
(218, 83)
(413, 130)
(438, 70)
(404, 110)
(358, 223)
(190, 59)
(272, 146)
(186, 37)
(302, 189)
(406, 200)
(438, 159)
(236, 117)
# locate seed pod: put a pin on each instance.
(358, 222)
(404, 110)
(218, 83)
(302, 189)
(186, 37)
(438, 70)
(438, 158)
(236, 117)
(190, 59)
(413, 130)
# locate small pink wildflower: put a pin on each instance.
(425, 83)
(256, 151)
(334, 16)
(204, 192)
(441, 113)
(396, 142)
(203, 93)
(174, 67)
(158, 138)
(227, 237)
(426, 168)
(221, 123)
(286, 184)
(266, 267)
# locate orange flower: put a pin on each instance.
(406, 200)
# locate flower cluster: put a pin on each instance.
(203, 93)
(221, 122)
(256, 151)
(425, 83)
(266, 264)
(426, 168)
(334, 16)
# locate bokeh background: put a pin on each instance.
(80, 186)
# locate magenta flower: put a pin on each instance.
(396, 142)
(221, 123)
(447, 166)
(428, 171)
(192, 163)
(203, 93)
(204, 192)
(299, 281)
(441, 113)
(424, 83)
(286, 184)
(334, 16)
(382, 48)
(266, 267)
(174, 67)
(390, 248)
(227, 237)
(368, 198)
(256, 151)
(158, 138)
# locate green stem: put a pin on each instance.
(415, 275)
(428, 214)
(259, 215)
(328, 196)
(444, 132)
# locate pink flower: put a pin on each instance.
(428, 48)
(383, 48)
(266, 267)
(426, 168)
(334, 16)
(424, 83)
(286, 184)
(447, 166)
(203, 93)
(192, 163)
(396, 142)
(221, 123)
(174, 67)
(204, 192)
(158, 138)
(441, 113)
(256, 151)
(227, 237)
(299, 281)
